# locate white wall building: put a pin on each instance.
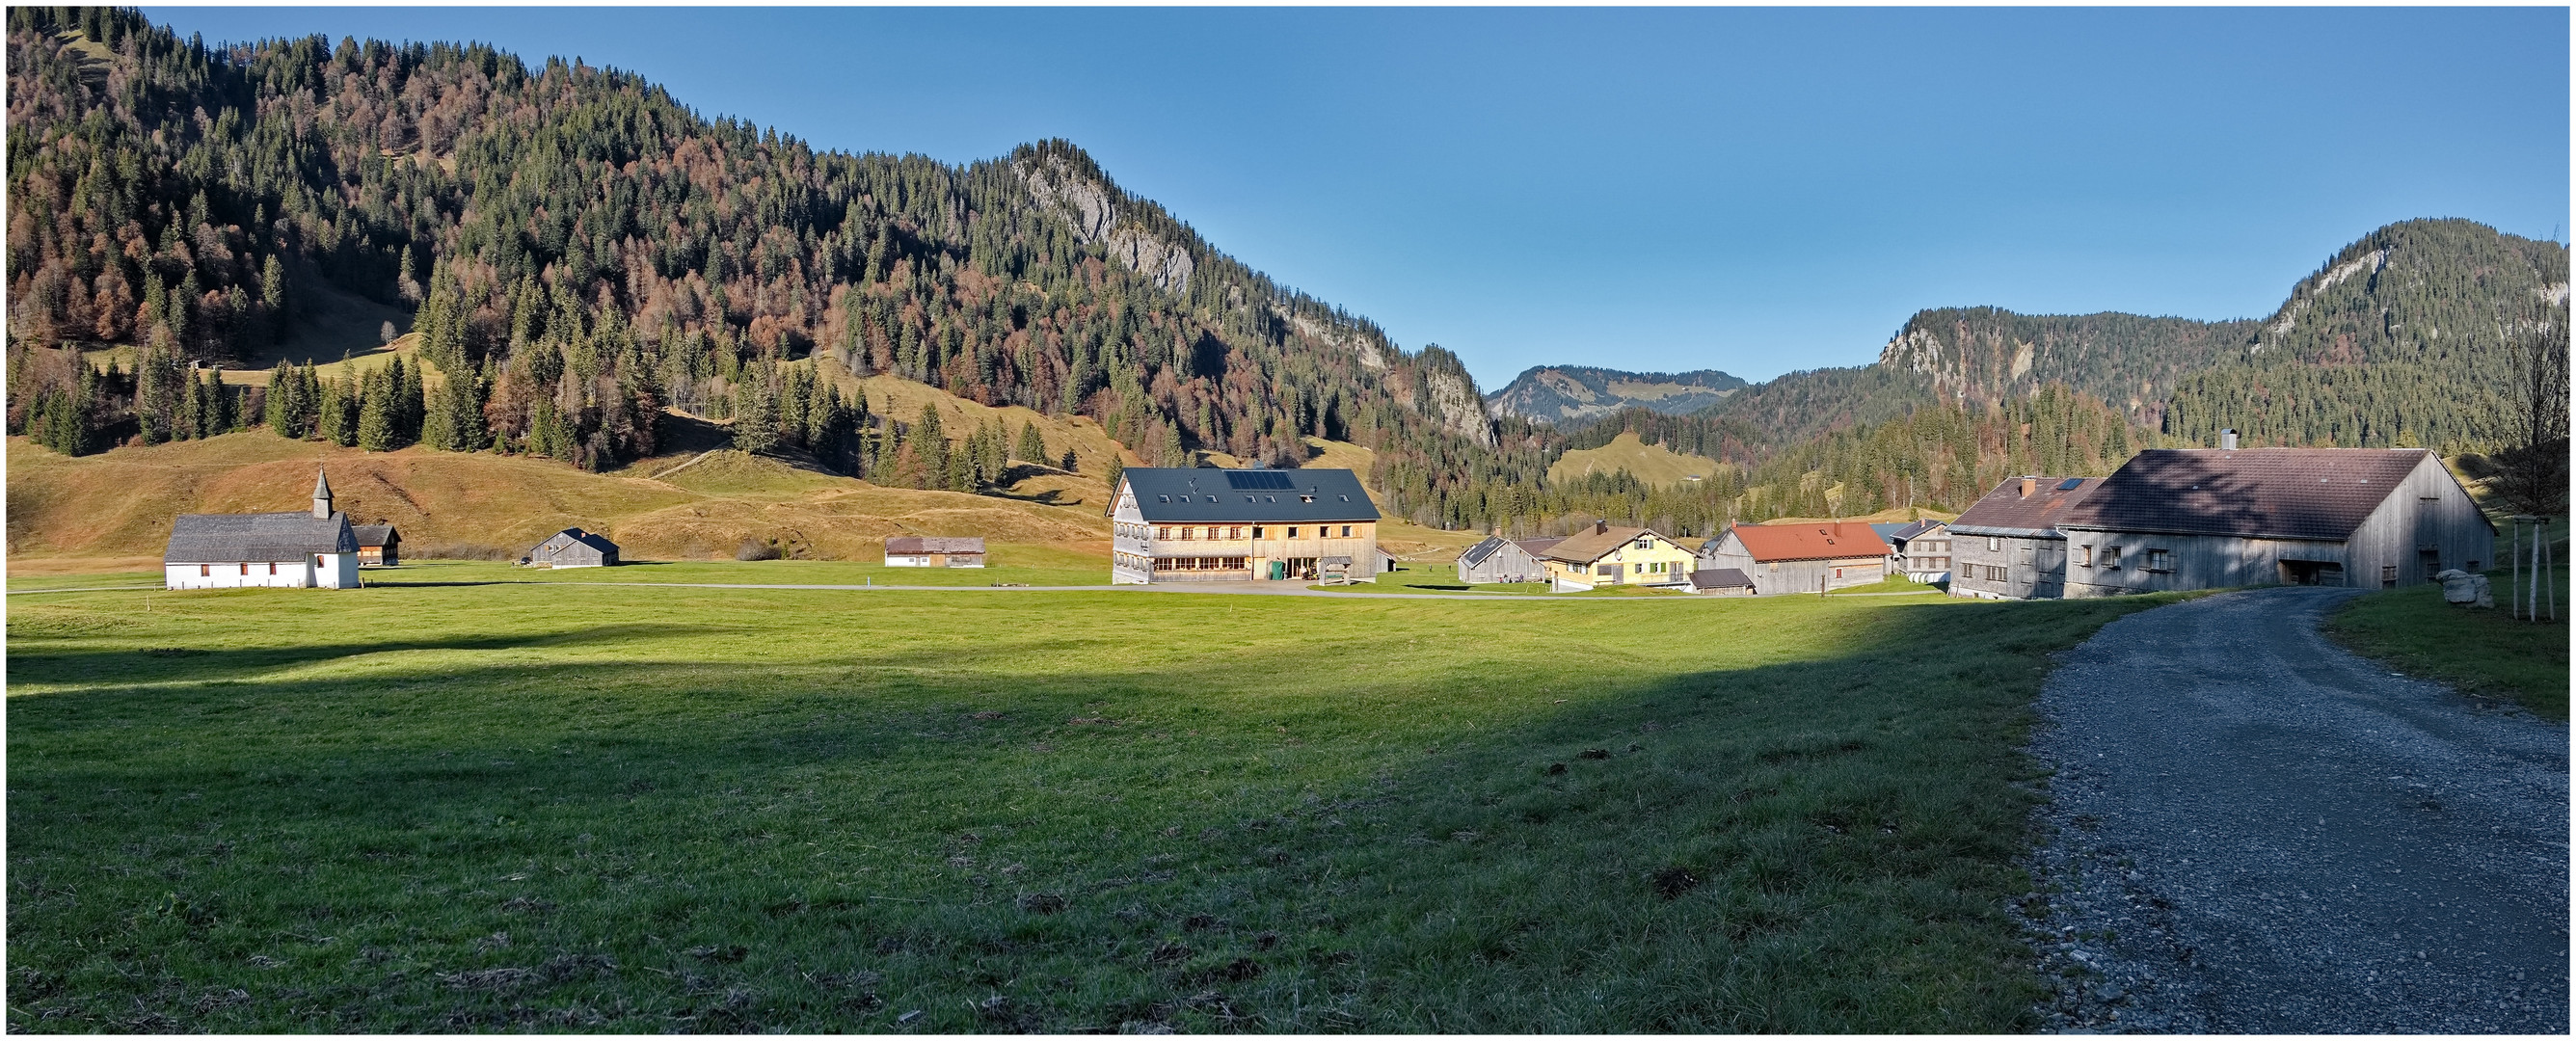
(314, 550)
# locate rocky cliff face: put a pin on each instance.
(1566, 393)
(1093, 208)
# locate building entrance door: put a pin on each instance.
(2311, 573)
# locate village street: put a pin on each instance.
(2256, 831)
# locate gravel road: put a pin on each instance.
(2254, 831)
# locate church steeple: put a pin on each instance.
(321, 495)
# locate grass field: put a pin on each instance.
(569, 806)
(2484, 653)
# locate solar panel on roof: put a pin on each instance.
(2070, 484)
(1246, 479)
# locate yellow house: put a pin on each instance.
(1608, 556)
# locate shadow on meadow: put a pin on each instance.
(1807, 846)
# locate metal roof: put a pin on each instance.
(2006, 511)
(1720, 578)
(1909, 532)
(1185, 495)
(571, 535)
(1809, 540)
(230, 538)
(376, 534)
(2289, 493)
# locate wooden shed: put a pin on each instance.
(2209, 518)
(573, 547)
(934, 551)
(1499, 560)
(1807, 557)
(379, 545)
(1724, 581)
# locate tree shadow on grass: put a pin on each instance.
(42, 666)
(1813, 845)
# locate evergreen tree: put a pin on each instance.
(1032, 446)
(755, 417)
(377, 411)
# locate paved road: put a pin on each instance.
(2279, 836)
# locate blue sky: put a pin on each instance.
(1756, 190)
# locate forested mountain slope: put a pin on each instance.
(1565, 393)
(586, 251)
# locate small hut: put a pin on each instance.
(1500, 560)
(379, 545)
(573, 547)
(934, 551)
(1722, 581)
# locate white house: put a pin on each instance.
(283, 550)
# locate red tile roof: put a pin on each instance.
(2292, 493)
(1832, 540)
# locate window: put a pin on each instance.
(2388, 576)
(1292, 532)
(272, 568)
(2111, 558)
(1256, 531)
(2083, 556)
(1346, 529)
(205, 571)
(1305, 498)
(1994, 544)
(1233, 532)
(1165, 498)
(1645, 542)
(245, 570)
(2160, 560)
(1162, 532)
(2026, 554)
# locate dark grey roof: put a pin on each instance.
(376, 534)
(1888, 530)
(228, 538)
(1908, 532)
(2006, 511)
(1539, 547)
(2294, 493)
(1482, 551)
(1183, 495)
(570, 535)
(1720, 578)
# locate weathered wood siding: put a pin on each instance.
(1510, 563)
(2426, 524)
(2033, 567)
(1778, 577)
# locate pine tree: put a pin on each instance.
(376, 410)
(755, 418)
(1032, 447)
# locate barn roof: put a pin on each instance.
(1183, 495)
(227, 538)
(1720, 578)
(1482, 551)
(2006, 511)
(909, 544)
(376, 534)
(591, 539)
(1906, 532)
(1831, 540)
(1588, 546)
(2290, 493)
(1539, 547)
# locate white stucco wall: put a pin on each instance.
(291, 574)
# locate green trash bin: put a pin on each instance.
(1278, 570)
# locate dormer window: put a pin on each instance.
(1305, 498)
(1165, 498)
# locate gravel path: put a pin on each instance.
(2255, 831)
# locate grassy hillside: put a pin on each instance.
(119, 504)
(573, 806)
(1653, 464)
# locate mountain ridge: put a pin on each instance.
(1563, 393)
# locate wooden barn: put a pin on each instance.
(2208, 518)
(1201, 524)
(934, 551)
(379, 545)
(2008, 546)
(1498, 559)
(1919, 551)
(1808, 557)
(573, 547)
(313, 550)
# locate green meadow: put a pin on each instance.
(457, 801)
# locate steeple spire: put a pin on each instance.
(321, 495)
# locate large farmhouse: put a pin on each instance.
(1805, 557)
(1919, 551)
(1608, 556)
(2008, 546)
(1199, 524)
(2210, 517)
(290, 550)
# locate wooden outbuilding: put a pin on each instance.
(1806, 557)
(1498, 559)
(2008, 546)
(379, 545)
(1724, 581)
(2208, 518)
(573, 547)
(934, 551)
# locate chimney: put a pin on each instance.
(321, 495)
(1601, 527)
(2029, 485)
(2227, 439)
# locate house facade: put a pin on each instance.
(1615, 556)
(2212, 518)
(1498, 559)
(2008, 546)
(379, 545)
(934, 551)
(573, 547)
(314, 550)
(1798, 558)
(1200, 524)
(1919, 551)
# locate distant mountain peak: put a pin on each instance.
(1563, 393)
